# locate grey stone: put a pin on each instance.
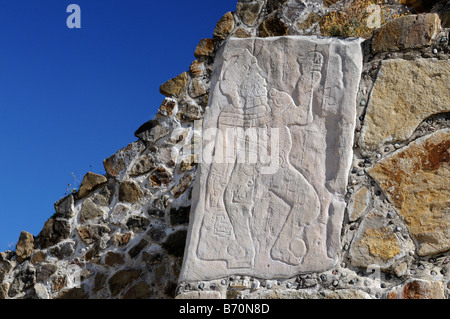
(116, 165)
(272, 205)
(175, 243)
(40, 291)
(64, 249)
(137, 223)
(143, 165)
(65, 207)
(54, 231)
(90, 211)
(151, 131)
(23, 279)
(92, 233)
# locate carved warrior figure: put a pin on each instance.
(292, 98)
(239, 195)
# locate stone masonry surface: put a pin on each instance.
(125, 235)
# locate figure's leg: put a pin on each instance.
(239, 204)
(290, 246)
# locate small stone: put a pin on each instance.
(361, 173)
(90, 182)
(362, 103)
(323, 277)
(205, 48)
(248, 11)
(398, 228)
(92, 233)
(387, 149)
(288, 285)
(143, 165)
(421, 267)
(168, 105)
(160, 177)
(54, 231)
(197, 88)
(433, 273)
(224, 26)
(113, 259)
(183, 185)
(129, 192)
(378, 155)
(273, 27)
(65, 207)
(435, 51)
(174, 86)
(443, 39)
(201, 286)
(137, 223)
(90, 211)
(122, 279)
(397, 145)
(117, 164)
(223, 282)
(24, 246)
(335, 283)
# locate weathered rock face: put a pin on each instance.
(416, 180)
(266, 217)
(405, 94)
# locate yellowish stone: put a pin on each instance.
(405, 93)
(416, 180)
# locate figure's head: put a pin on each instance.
(253, 85)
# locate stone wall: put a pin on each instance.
(123, 235)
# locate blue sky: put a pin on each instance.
(70, 98)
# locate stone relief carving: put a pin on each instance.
(270, 203)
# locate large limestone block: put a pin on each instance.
(416, 179)
(280, 121)
(405, 93)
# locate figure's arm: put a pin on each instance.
(283, 106)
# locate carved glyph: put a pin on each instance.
(276, 150)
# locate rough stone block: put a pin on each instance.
(89, 183)
(405, 93)
(272, 205)
(407, 32)
(175, 86)
(416, 180)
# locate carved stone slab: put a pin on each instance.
(268, 200)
